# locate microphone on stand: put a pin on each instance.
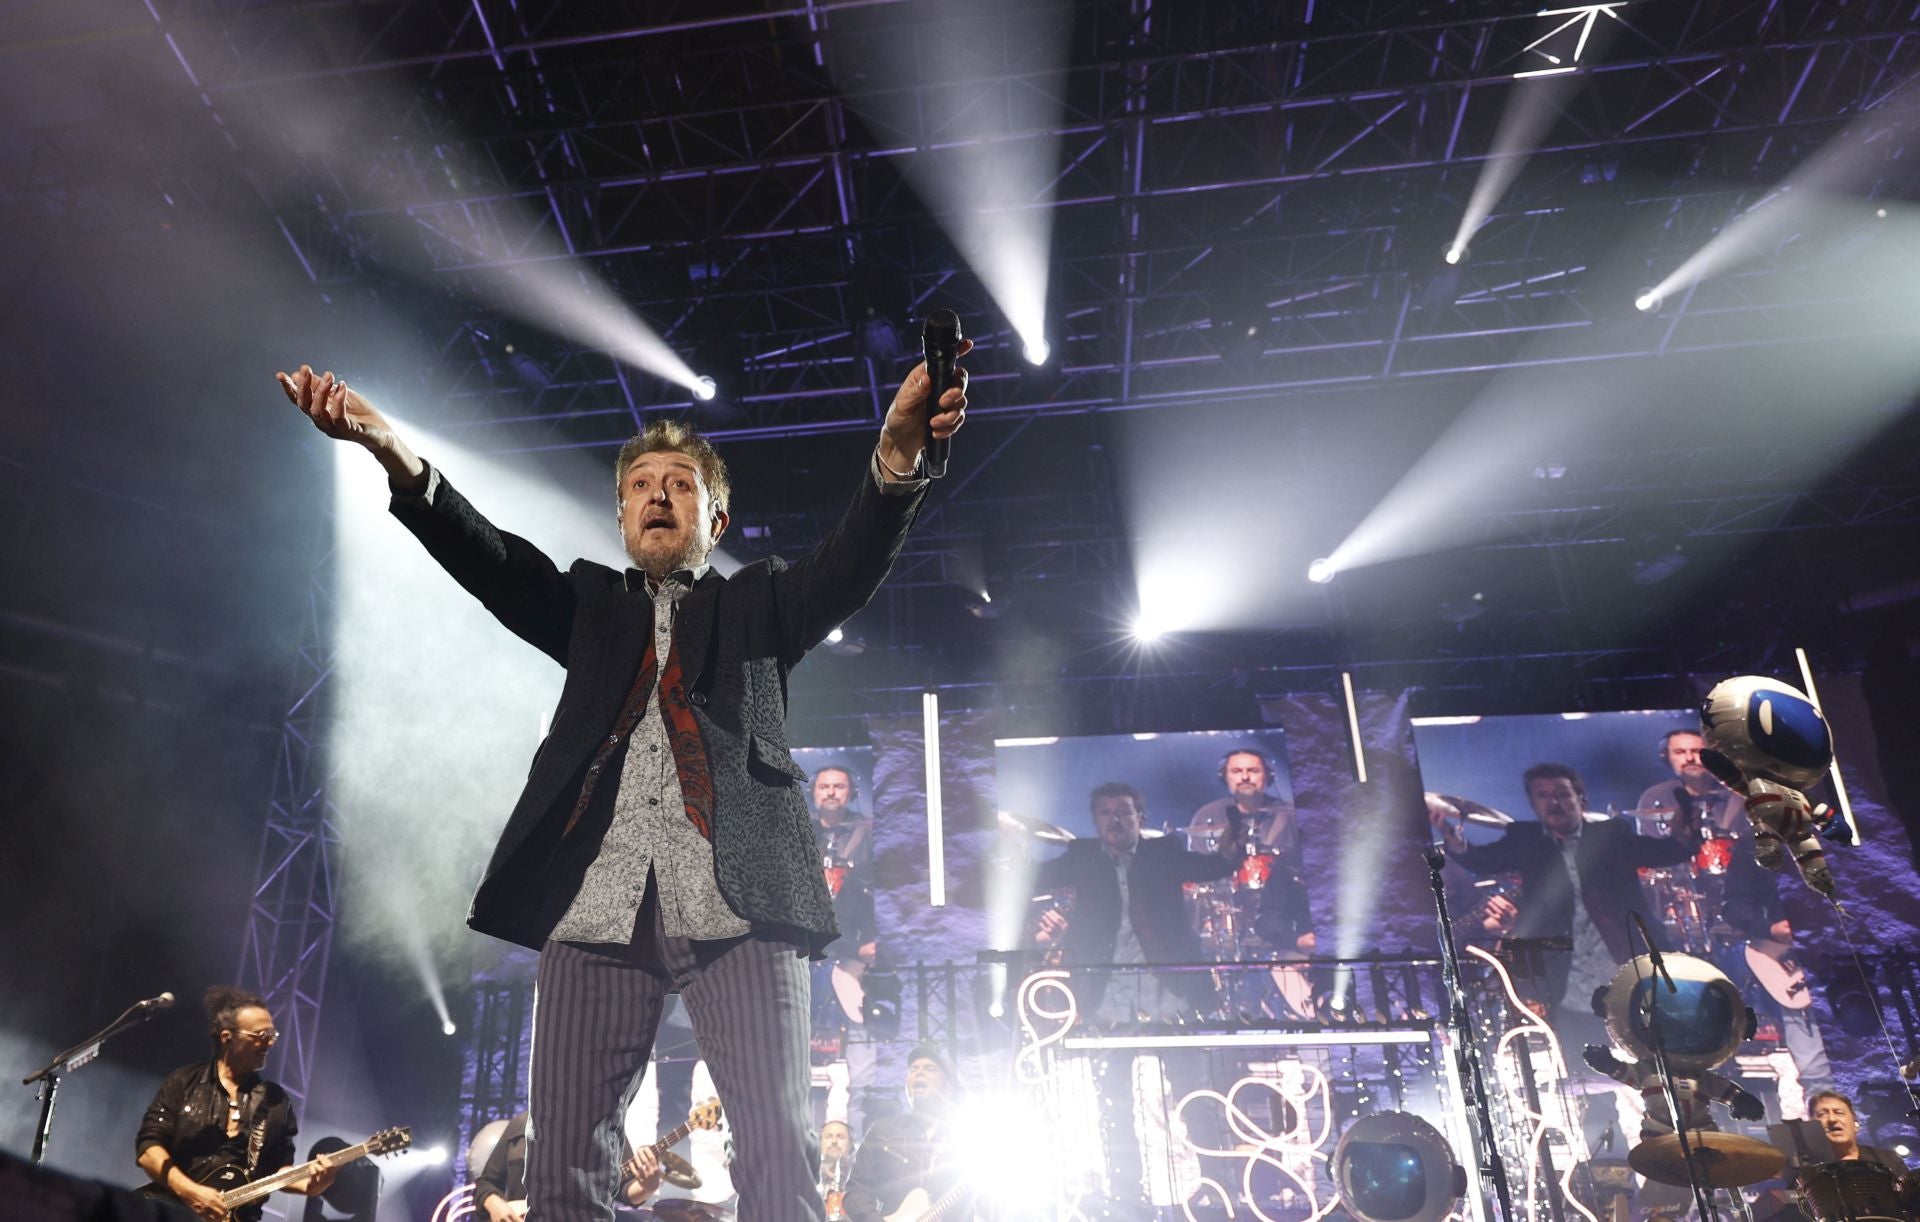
(940, 341)
(1653, 952)
(162, 1002)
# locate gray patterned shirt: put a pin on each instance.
(650, 830)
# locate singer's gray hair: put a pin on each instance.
(678, 437)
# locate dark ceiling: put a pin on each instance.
(1250, 202)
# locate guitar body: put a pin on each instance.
(1779, 973)
(919, 1206)
(915, 1208)
(223, 1179)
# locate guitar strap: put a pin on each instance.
(257, 1136)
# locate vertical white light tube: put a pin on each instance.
(936, 825)
(1833, 770)
(1353, 729)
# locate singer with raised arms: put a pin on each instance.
(663, 842)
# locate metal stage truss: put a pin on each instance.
(289, 934)
(1249, 208)
(1224, 166)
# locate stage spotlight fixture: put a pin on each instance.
(1648, 301)
(448, 1028)
(1144, 632)
(1880, 213)
(1321, 571)
(1395, 1167)
(704, 389)
(1038, 350)
(1456, 254)
(881, 1005)
(836, 636)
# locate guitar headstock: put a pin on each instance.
(390, 1141)
(705, 1116)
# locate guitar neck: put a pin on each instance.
(948, 1200)
(247, 1194)
(672, 1139)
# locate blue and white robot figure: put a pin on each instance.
(1768, 742)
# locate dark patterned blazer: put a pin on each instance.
(737, 638)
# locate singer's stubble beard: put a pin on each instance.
(688, 553)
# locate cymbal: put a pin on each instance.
(1724, 1160)
(690, 1211)
(1039, 829)
(678, 1171)
(1476, 812)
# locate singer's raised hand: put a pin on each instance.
(905, 432)
(345, 415)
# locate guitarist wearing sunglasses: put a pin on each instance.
(217, 1124)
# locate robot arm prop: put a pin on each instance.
(1743, 1104)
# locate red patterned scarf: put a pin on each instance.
(683, 735)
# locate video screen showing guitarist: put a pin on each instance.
(217, 1125)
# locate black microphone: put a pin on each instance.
(162, 1002)
(1653, 952)
(940, 340)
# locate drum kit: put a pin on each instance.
(1853, 1190)
(1687, 897)
(1222, 914)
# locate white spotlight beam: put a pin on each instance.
(1826, 185)
(992, 191)
(1536, 98)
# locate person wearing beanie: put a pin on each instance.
(905, 1165)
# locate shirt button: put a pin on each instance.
(699, 698)
(653, 801)
(612, 739)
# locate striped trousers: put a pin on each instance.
(596, 1010)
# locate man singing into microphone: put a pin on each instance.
(662, 843)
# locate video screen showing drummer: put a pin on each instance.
(843, 830)
(1263, 911)
(1722, 906)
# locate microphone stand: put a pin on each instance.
(48, 1076)
(1466, 1052)
(1702, 1199)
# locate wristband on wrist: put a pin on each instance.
(910, 473)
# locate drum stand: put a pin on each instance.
(1702, 1196)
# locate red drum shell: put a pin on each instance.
(1254, 872)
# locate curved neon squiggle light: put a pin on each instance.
(455, 1205)
(1032, 1010)
(1269, 1148)
(1542, 1125)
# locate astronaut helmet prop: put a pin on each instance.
(1702, 1022)
(1395, 1167)
(1767, 729)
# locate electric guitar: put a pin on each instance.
(673, 1169)
(1779, 973)
(920, 1207)
(243, 1193)
(704, 1116)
